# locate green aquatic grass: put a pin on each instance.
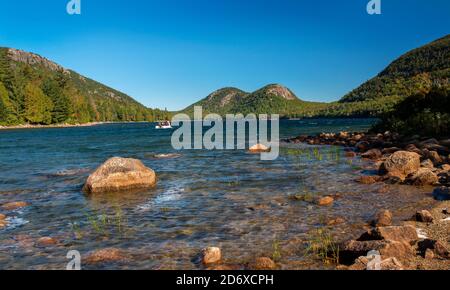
(323, 247)
(76, 230)
(306, 197)
(276, 251)
(330, 154)
(102, 224)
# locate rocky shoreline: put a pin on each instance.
(64, 125)
(419, 243)
(30, 126)
(396, 160)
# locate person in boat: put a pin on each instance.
(164, 124)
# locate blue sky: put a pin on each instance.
(170, 53)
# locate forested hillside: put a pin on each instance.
(425, 114)
(415, 72)
(35, 90)
(271, 99)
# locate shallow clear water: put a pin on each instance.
(229, 199)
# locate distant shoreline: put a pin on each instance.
(90, 124)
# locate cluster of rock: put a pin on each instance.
(62, 125)
(10, 206)
(211, 257)
(396, 246)
(415, 161)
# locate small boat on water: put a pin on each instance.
(164, 125)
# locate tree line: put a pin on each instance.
(39, 95)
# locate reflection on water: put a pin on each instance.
(229, 199)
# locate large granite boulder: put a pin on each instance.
(423, 176)
(401, 164)
(120, 174)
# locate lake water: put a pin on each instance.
(229, 199)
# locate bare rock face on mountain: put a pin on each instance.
(32, 59)
(271, 99)
(281, 91)
(226, 96)
(120, 174)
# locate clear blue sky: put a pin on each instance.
(169, 53)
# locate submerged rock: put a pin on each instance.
(211, 255)
(366, 179)
(14, 205)
(325, 201)
(401, 164)
(262, 263)
(3, 222)
(46, 242)
(105, 256)
(120, 174)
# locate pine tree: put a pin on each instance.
(7, 116)
(8, 80)
(61, 109)
(38, 106)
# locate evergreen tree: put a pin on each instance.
(38, 106)
(7, 116)
(61, 109)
